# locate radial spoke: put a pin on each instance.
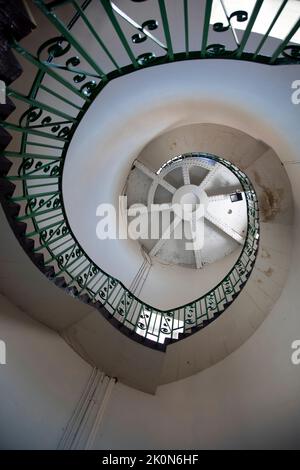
(186, 174)
(210, 176)
(166, 185)
(158, 179)
(165, 236)
(223, 196)
(204, 164)
(198, 259)
(196, 247)
(166, 206)
(225, 228)
(219, 197)
(145, 169)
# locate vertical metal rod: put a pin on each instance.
(59, 25)
(95, 34)
(60, 97)
(37, 213)
(207, 16)
(38, 144)
(9, 154)
(44, 165)
(38, 104)
(186, 26)
(248, 29)
(50, 241)
(229, 22)
(137, 26)
(29, 130)
(46, 227)
(110, 13)
(86, 279)
(164, 17)
(262, 42)
(285, 42)
(47, 69)
(34, 196)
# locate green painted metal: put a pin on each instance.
(265, 37)
(206, 25)
(46, 131)
(69, 37)
(30, 130)
(23, 156)
(281, 48)
(253, 18)
(37, 104)
(60, 97)
(46, 68)
(94, 33)
(186, 26)
(110, 13)
(164, 17)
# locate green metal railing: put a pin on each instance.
(69, 75)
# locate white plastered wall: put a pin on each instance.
(40, 384)
(249, 400)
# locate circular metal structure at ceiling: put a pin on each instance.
(202, 207)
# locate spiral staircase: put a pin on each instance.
(158, 101)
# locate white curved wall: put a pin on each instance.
(40, 384)
(96, 168)
(249, 400)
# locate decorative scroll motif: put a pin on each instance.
(190, 315)
(35, 115)
(215, 50)
(240, 16)
(58, 47)
(55, 47)
(292, 53)
(144, 59)
(151, 25)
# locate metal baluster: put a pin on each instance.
(59, 25)
(95, 34)
(248, 29)
(38, 104)
(110, 13)
(262, 42)
(165, 21)
(186, 27)
(285, 42)
(47, 69)
(207, 16)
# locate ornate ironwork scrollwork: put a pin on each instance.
(30, 118)
(151, 25)
(240, 16)
(32, 114)
(88, 88)
(59, 54)
(144, 59)
(54, 47)
(292, 52)
(215, 49)
(58, 47)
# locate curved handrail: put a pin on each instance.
(38, 195)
